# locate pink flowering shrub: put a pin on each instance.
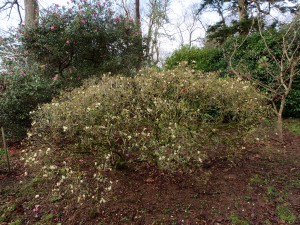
(84, 36)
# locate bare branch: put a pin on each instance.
(266, 45)
(9, 5)
(259, 8)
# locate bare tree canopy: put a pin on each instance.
(31, 10)
(8, 6)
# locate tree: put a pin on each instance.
(156, 18)
(189, 28)
(279, 65)
(240, 14)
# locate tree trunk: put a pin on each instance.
(137, 11)
(243, 16)
(279, 118)
(138, 21)
(31, 12)
(242, 8)
(280, 127)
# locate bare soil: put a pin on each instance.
(261, 186)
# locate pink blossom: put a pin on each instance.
(96, 31)
(131, 19)
(36, 208)
(83, 21)
(23, 74)
(81, 160)
(52, 27)
(67, 42)
(55, 77)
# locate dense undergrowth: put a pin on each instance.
(175, 118)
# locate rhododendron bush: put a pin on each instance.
(174, 118)
(86, 36)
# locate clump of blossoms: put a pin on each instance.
(69, 177)
(174, 118)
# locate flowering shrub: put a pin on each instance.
(174, 118)
(86, 36)
(23, 85)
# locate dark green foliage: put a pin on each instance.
(22, 94)
(240, 22)
(292, 105)
(23, 85)
(252, 57)
(205, 59)
(219, 33)
(86, 37)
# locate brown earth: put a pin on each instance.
(261, 186)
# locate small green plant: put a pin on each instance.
(285, 214)
(166, 210)
(267, 222)
(2, 152)
(2, 218)
(236, 220)
(294, 127)
(256, 180)
(16, 222)
(271, 192)
(47, 217)
(296, 182)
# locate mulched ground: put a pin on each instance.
(248, 190)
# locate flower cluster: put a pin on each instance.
(175, 118)
(65, 176)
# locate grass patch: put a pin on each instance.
(16, 222)
(256, 180)
(293, 125)
(285, 214)
(236, 220)
(47, 217)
